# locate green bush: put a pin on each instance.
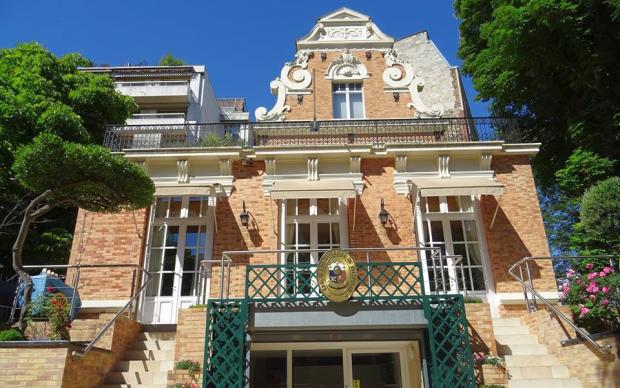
(471, 299)
(11, 335)
(600, 213)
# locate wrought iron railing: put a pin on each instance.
(312, 133)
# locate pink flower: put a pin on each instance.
(50, 289)
(592, 275)
(584, 310)
(608, 270)
(602, 274)
(589, 266)
(565, 287)
(592, 298)
(579, 282)
(605, 289)
(604, 302)
(592, 288)
(570, 273)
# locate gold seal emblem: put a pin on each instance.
(337, 275)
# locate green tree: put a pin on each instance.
(40, 92)
(64, 174)
(170, 60)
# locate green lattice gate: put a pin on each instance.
(452, 361)
(225, 345)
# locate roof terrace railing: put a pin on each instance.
(375, 133)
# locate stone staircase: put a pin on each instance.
(146, 363)
(529, 363)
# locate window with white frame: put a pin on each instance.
(178, 242)
(310, 224)
(348, 100)
(449, 223)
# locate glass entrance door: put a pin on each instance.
(374, 369)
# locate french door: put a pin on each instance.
(178, 242)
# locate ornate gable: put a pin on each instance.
(345, 28)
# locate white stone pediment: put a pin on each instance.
(345, 28)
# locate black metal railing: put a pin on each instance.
(312, 133)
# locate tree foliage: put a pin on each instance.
(171, 60)
(40, 92)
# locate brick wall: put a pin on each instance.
(518, 230)
(480, 328)
(102, 238)
(592, 368)
(32, 366)
(190, 342)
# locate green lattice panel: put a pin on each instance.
(225, 353)
(452, 361)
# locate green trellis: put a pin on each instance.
(226, 355)
(452, 361)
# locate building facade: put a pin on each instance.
(369, 150)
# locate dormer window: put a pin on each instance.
(348, 101)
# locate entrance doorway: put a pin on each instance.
(394, 364)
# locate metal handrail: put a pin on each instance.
(225, 262)
(529, 286)
(76, 278)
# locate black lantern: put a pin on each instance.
(396, 96)
(244, 216)
(383, 214)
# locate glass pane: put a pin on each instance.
(191, 236)
(453, 204)
(470, 230)
(175, 207)
(153, 288)
(290, 236)
(303, 257)
(334, 206)
(157, 236)
(466, 204)
(155, 260)
(193, 208)
(170, 258)
(187, 284)
(335, 234)
(376, 370)
(303, 231)
(459, 249)
(340, 106)
(268, 369)
(167, 283)
(161, 207)
(303, 207)
(456, 227)
(436, 231)
(323, 234)
(474, 254)
(432, 204)
(291, 204)
(172, 238)
(357, 105)
(318, 368)
(355, 86)
(478, 277)
(189, 260)
(290, 258)
(322, 205)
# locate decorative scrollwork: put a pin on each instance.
(279, 109)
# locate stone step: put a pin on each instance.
(521, 349)
(155, 355)
(509, 330)
(539, 372)
(546, 383)
(157, 335)
(152, 345)
(510, 339)
(531, 360)
(143, 366)
(146, 378)
(506, 322)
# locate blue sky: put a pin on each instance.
(243, 43)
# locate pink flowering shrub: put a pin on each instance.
(592, 289)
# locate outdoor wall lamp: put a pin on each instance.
(300, 99)
(368, 55)
(396, 96)
(244, 216)
(323, 56)
(383, 214)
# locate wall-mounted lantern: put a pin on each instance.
(323, 56)
(396, 96)
(244, 216)
(383, 214)
(300, 99)
(368, 55)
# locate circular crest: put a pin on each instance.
(337, 275)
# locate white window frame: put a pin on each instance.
(347, 92)
(422, 218)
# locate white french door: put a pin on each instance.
(179, 239)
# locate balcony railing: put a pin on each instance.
(313, 133)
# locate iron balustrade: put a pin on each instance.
(374, 133)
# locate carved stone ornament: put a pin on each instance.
(400, 74)
(347, 67)
(294, 77)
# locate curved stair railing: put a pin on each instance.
(521, 272)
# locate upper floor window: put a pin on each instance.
(348, 101)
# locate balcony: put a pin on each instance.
(156, 91)
(375, 133)
(156, 119)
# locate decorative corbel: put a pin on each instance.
(444, 166)
(313, 169)
(183, 171)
